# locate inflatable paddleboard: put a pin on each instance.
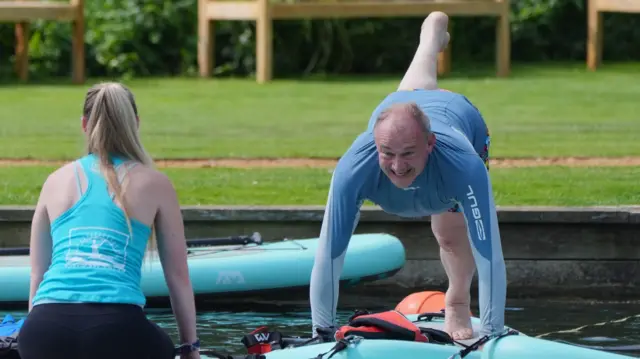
(518, 346)
(511, 344)
(241, 269)
(508, 347)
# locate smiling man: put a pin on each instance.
(425, 152)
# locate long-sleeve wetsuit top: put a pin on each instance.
(454, 173)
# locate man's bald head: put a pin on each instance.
(403, 138)
(404, 111)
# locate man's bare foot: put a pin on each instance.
(434, 31)
(457, 322)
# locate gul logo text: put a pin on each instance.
(477, 216)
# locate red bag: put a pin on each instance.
(261, 341)
(385, 325)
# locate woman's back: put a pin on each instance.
(92, 223)
(96, 256)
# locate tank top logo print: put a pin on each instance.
(97, 247)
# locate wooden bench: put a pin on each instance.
(264, 12)
(595, 9)
(23, 11)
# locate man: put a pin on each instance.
(425, 152)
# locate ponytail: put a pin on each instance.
(112, 127)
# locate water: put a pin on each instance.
(223, 329)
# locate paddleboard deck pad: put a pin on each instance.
(271, 269)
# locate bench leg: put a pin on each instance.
(594, 37)
(444, 62)
(444, 58)
(205, 41)
(264, 43)
(503, 46)
(77, 48)
(22, 50)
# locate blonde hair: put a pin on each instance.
(112, 130)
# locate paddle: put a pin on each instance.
(220, 241)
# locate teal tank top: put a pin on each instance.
(94, 257)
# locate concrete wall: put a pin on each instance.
(585, 252)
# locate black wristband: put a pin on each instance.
(188, 348)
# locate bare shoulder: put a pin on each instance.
(156, 181)
(62, 171)
(59, 176)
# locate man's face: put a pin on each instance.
(403, 149)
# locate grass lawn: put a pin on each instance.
(558, 186)
(538, 111)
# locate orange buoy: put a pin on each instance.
(422, 302)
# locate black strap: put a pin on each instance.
(357, 313)
(464, 352)
(437, 336)
(340, 345)
(429, 316)
(7, 345)
(326, 334)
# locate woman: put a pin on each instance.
(92, 222)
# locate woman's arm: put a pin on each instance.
(40, 245)
(172, 249)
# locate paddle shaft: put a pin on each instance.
(220, 241)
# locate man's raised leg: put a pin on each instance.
(422, 73)
(450, 229)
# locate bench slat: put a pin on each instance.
(248, 10)
(628, 6)
(379, 9)
(264, 12)
(232, 10)
(457, 2)
(30, 11)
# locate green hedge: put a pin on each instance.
(159, 37)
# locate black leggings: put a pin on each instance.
(92, 331)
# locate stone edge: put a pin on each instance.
(506, 214)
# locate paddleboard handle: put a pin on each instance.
(255, 238)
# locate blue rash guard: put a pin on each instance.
(455, 179)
